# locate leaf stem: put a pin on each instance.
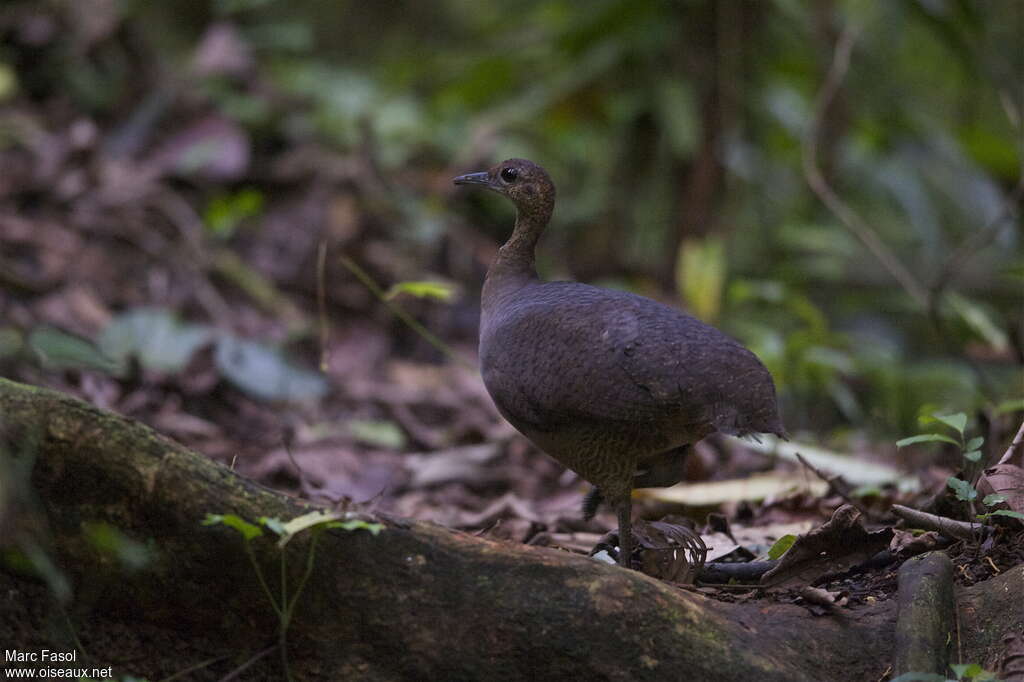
(400, 312)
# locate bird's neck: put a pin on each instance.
(515, 266)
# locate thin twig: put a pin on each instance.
(321, 303)
(839, 485)
(979, 239)
(817, 182)
(928, 300)
(263, 581)
(193, 668)
(400, 312)
(1015, 446)
(233, 675)
(943, 524)
(190, 226)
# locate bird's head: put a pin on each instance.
(524, 182)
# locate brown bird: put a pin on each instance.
(613, 385)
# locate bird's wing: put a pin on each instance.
(582, 352)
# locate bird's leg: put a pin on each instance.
(624, 507)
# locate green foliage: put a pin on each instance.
(8, 81)
(380, 433)
(981, 322)
(161, 343)
(284, 602)
(1008, 406)
(32, 559)
(957, 422)
(966, 672)
(1009, 513)
(700, 276)
(224, 212)
(247, 530)
(435, 290)
(319, 518)
(264, 372)
(965, 492)
(60, 350)
(607, 97)
(971, 671)
(925, 438)
(109, 540)
(155, 337)
(11, 342)
(781, 546)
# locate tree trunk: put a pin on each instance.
(416, 601)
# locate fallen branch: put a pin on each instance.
(416, 601)
(951, 527)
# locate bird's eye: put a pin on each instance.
(509, 174)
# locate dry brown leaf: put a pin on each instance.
(1006, 480)
(837, 545)
(906, 544)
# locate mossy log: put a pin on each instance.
(416, 601)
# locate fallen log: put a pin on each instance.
(416, 601)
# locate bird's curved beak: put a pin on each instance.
(482, 178)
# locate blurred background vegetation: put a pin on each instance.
(680, 134)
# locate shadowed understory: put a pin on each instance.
(415, 601)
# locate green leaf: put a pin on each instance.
(111, 541)
(921, 677)
(866, 491)
(1010, 406)
(323, 519)
(273, 523)
(971, 671)
(155, 337)
(979, 319)
(781, 546)
(8, 81)
(700, 276)
(381, 433)
(11, 342)
(248, 530)
(964, 490)
(357, 524)
(993, 499)
(224, 212)
(30, 558)
(975, 443)
(436, 290)
(675, 107)
(973, 455)
(926, 438)
(1007, 512)
(60, 350)
(263, 372)
(319, 517)
(956, 421)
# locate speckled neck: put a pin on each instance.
(515, 265)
